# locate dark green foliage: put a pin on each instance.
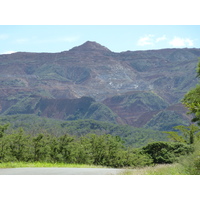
(5, 153)
(192, 99)
(166, 152)
(55, 154)
(66, 146)
(103, 149)
(191, 162)
(19, 145)
(3, 129)
(198, 69)
(185, 134)
(99, 148)
(135, 137)
(137, 158)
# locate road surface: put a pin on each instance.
(59, 171)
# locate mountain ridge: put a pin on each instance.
(92, 70)
(90, 46)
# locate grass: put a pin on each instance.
(165, 169)
(187, 165)
(44, 164)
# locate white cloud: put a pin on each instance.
(8, 52)
(150, 40)
(181, 42)
(162, 38)
(146, 40)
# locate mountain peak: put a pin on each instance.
(90, 46)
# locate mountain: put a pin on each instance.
(132, 87)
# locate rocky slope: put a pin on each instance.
(133, 87)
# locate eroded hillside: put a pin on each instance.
(128, 87)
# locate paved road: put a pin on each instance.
(59, 171)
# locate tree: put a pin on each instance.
(3, 128)
(19, 145)
(192, 99)
(55, 154)
(137, 158)
(41, 147)
(115, 157)
(5, 154)
(189, 134)
(66, 148)
(84, 151)
(98, 148)
(166, 152)
(5, 151)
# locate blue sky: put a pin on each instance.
(118, 38)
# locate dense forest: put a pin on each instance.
(32, 124)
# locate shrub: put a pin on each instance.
(191, 162)
(166, 152)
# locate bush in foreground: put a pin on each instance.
(167, 152)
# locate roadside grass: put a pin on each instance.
(164, 169)
(45, 164)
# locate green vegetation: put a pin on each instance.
(191, 162)
(45, 164)
(185, 165)
(100, 112)
(135, 137)
(96, 111)
(83, 108)
(91, 149)
(167, 152)
(32, 124)
(25, 105)
(164, 169)
(90, 143)
(147, 100)
(12, 83)
(165, 120)
(192, 100)
(189, 134)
